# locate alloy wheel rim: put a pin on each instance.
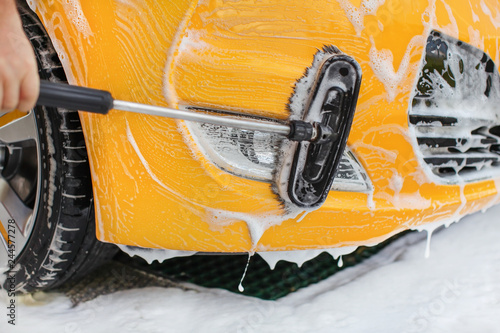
(20, 180)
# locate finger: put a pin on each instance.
(10, 92)
(3, 70)
(1, 94)
(29, 91)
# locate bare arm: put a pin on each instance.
(19, 82)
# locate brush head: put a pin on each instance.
(325, 96)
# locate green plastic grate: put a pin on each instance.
(225, 271)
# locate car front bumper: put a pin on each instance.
(154, 188)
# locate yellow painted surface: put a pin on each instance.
(153, 190)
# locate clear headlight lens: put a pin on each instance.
(254, 155)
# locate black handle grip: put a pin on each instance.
(60, 95)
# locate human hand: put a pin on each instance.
(19, 81)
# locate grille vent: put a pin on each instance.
(455, 112)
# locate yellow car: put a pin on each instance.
(405, 93)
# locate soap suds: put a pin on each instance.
(257, 223)
(396, 184)
(151, 255)
(73, 10)
(356, 15)
(428, 243)
(370, 203)
(299, 257)
(431, 227)
(475, 38)
(180, 42)
(382, 64)
(452, 28)
(51, 189)
(179, 197)
(240, 285)
(495, 20)
(475, 18)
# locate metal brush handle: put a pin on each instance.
(61, 95)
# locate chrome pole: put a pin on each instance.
(229, 121)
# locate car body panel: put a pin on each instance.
(154, 188)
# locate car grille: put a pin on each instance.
(455, 111)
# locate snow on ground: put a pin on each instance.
(457, 289)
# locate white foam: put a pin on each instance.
(370, 203)
(181, 42)
(456, 217)
(240, 285)
(475, 38)
(50, 191)
(450, 29)
(495, 20)
(75, 66)
(475, 18)
(151, 255)
(74, 12)
(356, 15)
(382, 64)
(302, 256)
(429, 228)
(396, 183)
(180, 198)
(257, 223)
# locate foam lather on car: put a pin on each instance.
(326, 96)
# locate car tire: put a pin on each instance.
(46, 204)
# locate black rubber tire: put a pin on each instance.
(62, 245)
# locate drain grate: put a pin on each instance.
(225, 271)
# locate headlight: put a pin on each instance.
(254, 155)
